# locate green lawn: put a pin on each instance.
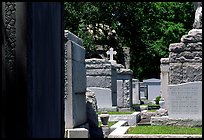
(153, 110)
(164, 130)
(109, 123)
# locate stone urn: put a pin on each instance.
(161, 103)
(104, 118)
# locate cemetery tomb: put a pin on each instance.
(103, 97)
(101, 77)
(185, 100)
(124, 87)
(75, 89)
(153, 88)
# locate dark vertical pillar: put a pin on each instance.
(62, 101)
(46, 64)
(2, 86)
(32, 52)
(21, 58)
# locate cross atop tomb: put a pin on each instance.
(111, 53)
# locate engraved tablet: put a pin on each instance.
(185, 100)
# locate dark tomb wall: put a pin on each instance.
(33, 85)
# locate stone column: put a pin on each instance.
(164, 79)
(135, 91)
(75, 99)
(124, 87)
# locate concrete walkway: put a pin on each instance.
(132, 119)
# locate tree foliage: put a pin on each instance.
(147, 28)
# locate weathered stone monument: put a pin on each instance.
(183, 94)
(185, 58)
(126, 53)
(32, 70)
(135, 91)
(92, 115)
(185, 100)
(75, 89)
(101, 79)
(164, 67)
(184, 105)
(124, 88)
(111, 82)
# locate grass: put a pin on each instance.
(152, 110)
(116, 112)
(164, 130)
(109, 123)
(156, 105)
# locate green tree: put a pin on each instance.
(147, 28)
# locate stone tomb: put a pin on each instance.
(124, 87)
(103, 96)
(185, 58)
(75, 84)
(101, 78)
(184, 106)
(153, 88)
(185, 100)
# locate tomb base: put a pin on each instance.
(165, 120)
(124, 109)
(76, 133)
(108, 109)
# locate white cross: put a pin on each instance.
(111, 53)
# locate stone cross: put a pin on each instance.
(111, 53)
